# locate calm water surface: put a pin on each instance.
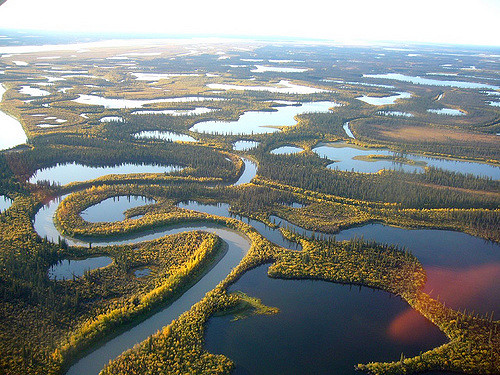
(447, 111)
(222, 209)
(337, 316)
(397, 324)
(321, 328)
(432, 82)
(249, 172)
(237, 246)
(461, 269)
(67, 268)
(5, 203)
(170, 136)
(11, 129)
(344, 156)
(158, 76)
(176, 112)
(113, 209)
(70, 172)
(347, 130)
(111, 119)
(395, 113)
(373, 100)
(114, 103)
(287, 150)
(245, 145)
(260, 122)
(265, 68)
(283, 87)
(142, 272)
(33, 91)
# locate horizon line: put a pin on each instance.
(257, 38)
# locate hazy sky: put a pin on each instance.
(439, 21)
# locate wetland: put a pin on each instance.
(177, 211)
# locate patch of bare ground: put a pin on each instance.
(429, 133)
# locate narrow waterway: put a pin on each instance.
(395, 326)
(237, 247)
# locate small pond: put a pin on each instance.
(111, 119)
(245, 145)
(176, 112)
(432, 82)
(287, 150)
(283, 87)
(265, 68)
(113, 209)
(259, 122)
(142, 272)
(447, 111)
(65, 269)
(5, 203)
(385, 100)
(165, 135)
(70, 172)
(114, 103)
(158, 76)
(395, 113)
(344, 154)
(33, 91)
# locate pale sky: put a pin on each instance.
(436, 21)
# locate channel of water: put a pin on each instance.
(238, 245)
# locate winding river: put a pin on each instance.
(237, 247)
(396, 312)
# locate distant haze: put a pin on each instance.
(428, 21)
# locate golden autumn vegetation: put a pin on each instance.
(72, 315)
(46, 325)
(352, 262)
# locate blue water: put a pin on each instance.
(260, 122)
(432, 82)
(343, 153)
(113, 209)
(70, 172)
